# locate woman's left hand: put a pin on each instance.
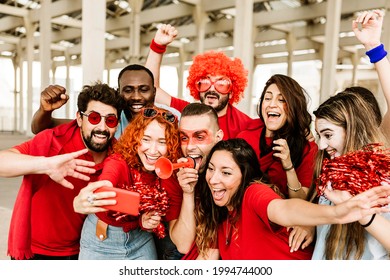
(336, 196)
(300, 236)
(150, 220)
(282, 151)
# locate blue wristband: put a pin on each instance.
(376, 54)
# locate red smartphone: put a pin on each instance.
(126, 201)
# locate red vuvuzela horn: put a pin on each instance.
(164, 167)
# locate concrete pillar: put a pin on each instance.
(200, 19)
(45, 42)
(135, 30)
(243, 48)
(30, 58)
(93, 40)
(355, 64)
(291, 42)
(67, 86)
(329, 60)
(21, 89)
(180, 72)
(16, 64)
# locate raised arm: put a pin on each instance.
(164, 36)
(182, 230)
(52, 97)
(369, 34)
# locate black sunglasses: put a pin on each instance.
(152, 113)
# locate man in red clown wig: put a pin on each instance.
(214, 79)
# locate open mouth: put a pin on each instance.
(151, 160)
(273, 115)
(331, 153)
(136, 107)
(197, 159)
(218, 194)
(99, 138)
(211, 96)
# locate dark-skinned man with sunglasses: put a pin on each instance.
(214, 79)
(56, 164)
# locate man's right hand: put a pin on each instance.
(165, 34)
(53, 97)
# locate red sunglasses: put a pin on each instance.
(95, 118)
(222, 85)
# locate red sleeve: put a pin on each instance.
(175, 196)
(178, 104)
(115, 170)
(23, 148)
(257, 197)
(39, 145)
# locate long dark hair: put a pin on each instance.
(207, 214)
(297, 127)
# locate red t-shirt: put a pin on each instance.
(273, 167)
(119, 174)
(255, 238)
(233, 122)
(55, 226)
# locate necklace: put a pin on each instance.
(228, 232)
(229, 227)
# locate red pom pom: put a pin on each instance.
(153, 197)
(160, 230)
(356, 171)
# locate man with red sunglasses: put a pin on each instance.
(214, 79)
(44, 224)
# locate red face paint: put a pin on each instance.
(195, 137)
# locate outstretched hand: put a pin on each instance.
(165, 34)
(366, 203)
(65, 165)
(368, 27)
(53, 97)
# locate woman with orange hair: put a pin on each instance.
(214, 78)
(113, 235)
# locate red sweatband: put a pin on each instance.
(157, 47)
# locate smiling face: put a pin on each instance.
(197, 136)
(153, 145)
(138, 91)
(273, 110)
(223, 177)
(331, 137)
(96, 137)
(213, 98)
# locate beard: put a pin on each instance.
(223, 100)
(94, 146)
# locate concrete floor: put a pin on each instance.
(9, 188)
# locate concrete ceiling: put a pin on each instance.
(272, 21)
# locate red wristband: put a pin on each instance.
(157, 47)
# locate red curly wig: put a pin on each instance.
(217, 63)
(128, 143)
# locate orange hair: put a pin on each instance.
(128, 143)
(217, 63)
